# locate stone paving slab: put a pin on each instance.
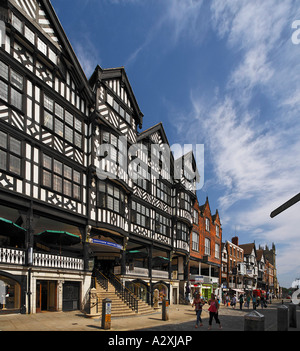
(181, 319)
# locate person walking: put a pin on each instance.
(262, 301)
(198, 303)
(241, 299)
(213, 311)
(248, 301)
(233, 302)
(254, 302)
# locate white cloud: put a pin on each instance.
(87, 54)
(255, 156)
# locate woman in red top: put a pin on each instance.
(213, 311)
(198, 303)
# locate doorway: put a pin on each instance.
(46, 296)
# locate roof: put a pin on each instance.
(248, 248)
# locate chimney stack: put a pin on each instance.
(235, 240)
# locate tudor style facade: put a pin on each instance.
(56, 180)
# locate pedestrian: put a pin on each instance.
(254, 302)
(198, 303)
(248, 301)
(262, 301)
(233, 301)
(214, 311)
(241, 299)
(227, 300)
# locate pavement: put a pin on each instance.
(181, 320)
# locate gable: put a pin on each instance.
(117, 83)
(35, 11)
(38, 23)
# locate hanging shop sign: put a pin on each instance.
(106, 243)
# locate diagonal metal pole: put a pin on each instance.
(286, 205)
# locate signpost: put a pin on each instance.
(286, 205)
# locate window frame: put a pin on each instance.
(195, 243)
(12, 87)
(55, 175)
(109, 193)
(207, 246)
(60, 116)
(138, 217)
(12, 153)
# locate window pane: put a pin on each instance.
(102, 187)
(15, 164)
(47, 178)
(78, 140)
(59, 111)
(3, 70)
(67, 188)
(3, 91)
(76, 176)
(17, 23)
(47, 162)
(69, 118)
(57, 167)
(3, 140)
(57, 183)
(59, 127)
(16, 80)
(69, 134)
(16, 99)
(15, 146)
(116, 205)
(78, 125)
(29, 35)
(68, 172)
(110, 189)
(48, 103)
(76, 191)
(3, 156)
(48, 120)
(110, 203)
(42, 46)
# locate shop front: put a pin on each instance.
(10, 295)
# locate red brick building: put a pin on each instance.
(205, 250)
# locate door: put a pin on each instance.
(71, 296)
(46, 296)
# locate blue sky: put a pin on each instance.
(225, 74)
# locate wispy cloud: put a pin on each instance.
(254, 153)
(87, 53)
(177, 19)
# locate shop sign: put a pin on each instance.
(106, 243)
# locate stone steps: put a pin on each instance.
(119, 308)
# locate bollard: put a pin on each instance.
(254, 321)
(293, 315)
(282, 318)
(165, 310)
(106, 314)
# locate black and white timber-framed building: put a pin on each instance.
(59, 218)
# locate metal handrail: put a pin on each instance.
(138, 295)
(124, 293)
(101, 279)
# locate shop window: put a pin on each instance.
(10, 295)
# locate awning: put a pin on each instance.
(239, 290)
(8, 227)
(11, 230)
(58, 237)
